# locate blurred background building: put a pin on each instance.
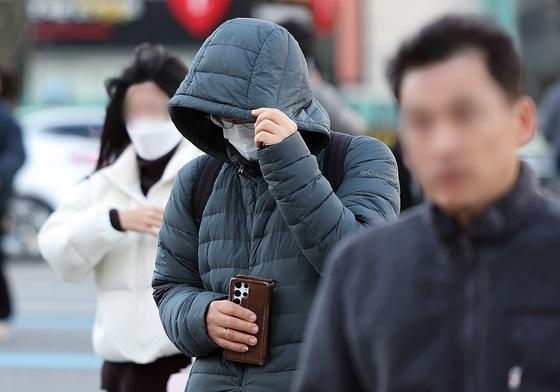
(61, 51)
(64, 49)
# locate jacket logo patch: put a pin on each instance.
(375, 174)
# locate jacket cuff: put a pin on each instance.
(283, 154)
(115, 220)
(196, 320)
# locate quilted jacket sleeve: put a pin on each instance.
(319, 218)
(178, 289)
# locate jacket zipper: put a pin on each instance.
(241, 171)
(255, 211)
(242, 378)
(470, 321)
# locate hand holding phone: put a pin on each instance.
(254, 295)
(231, 326)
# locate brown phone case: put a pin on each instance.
(254, 294)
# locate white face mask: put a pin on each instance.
(242, 137)
(152, 138)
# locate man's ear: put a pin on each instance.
(526, 119)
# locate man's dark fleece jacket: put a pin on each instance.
(427, 305)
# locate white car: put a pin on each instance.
(62, 146)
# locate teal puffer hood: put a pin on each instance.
(247, 64)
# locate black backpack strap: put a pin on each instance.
(208, 173)
(333, 166)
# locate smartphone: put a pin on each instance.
(254, 294)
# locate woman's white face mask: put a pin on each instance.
(151, 137)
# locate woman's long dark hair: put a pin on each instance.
(151, 63)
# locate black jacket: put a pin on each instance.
(12, 154)
(424, 305)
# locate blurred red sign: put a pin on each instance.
(199, 17)
(324, 12)
(53, 32)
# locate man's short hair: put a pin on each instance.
(449, 35)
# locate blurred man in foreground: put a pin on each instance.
(462, 293)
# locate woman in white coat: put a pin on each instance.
(109, 224)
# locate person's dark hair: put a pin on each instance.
(9, 86)
(449, 35)
(151, 63)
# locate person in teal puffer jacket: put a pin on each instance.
(271, 214)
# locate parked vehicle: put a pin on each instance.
(62, 146)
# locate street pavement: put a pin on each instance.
(50, 345)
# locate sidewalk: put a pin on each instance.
(50, 346)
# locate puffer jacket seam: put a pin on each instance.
(249, 85)
(161, 245)
(175, 228)
(301, 188)
(379, 195)
(233, 46)
(216, 374)
(190, 95)
(239, 22)
(323, 245)
(224, 240)
(228, 213)
(236, 377)
(380, 211)
(215, 268)
(268, 234)
(289, 343)
(280, 285)
(295, 163)
(281, 371)
(272, 261)
(301, 219)
(223, 74)
(283, 73)
(191, 75)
